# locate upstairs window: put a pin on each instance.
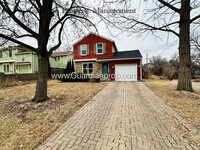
(99, 48)
(1, 54)
(58, 58)
(23, 58)
(10, 53)
(83, 49)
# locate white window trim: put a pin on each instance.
(87, 63)
(7, 70)
(97, 48)
(81, 49)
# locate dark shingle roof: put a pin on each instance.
(131, 54)
(127, 54)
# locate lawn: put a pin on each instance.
(185, 103)
(24, 124)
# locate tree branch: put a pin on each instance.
(63, 17)
(75, 16)
(169, 6)
(11, 14)
(195, 18)
(18, 42)
(59, 39)
(39, 4)
(34, 5)
(24, 35)
(151, 28)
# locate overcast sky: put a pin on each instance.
(149, 45)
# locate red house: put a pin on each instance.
(94, 54)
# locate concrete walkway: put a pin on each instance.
(123, 116)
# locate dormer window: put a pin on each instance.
(99, 48)
(83, 49)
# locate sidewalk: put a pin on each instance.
(123, 116)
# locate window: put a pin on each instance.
(88, 68)
(10, 53)
(6, 67)
(23, 58)
(83, 50)
(99, 48)
(1, 54)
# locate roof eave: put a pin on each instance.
(82, 60)
(55, 55)
(117, 59)
(94, 34)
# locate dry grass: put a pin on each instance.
(13, 82)
(24, 124)
(185, 103)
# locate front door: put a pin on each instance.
(105, 70)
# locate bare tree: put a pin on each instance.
(195, 45)
(41, 20)
(157, 64)
(175, 17)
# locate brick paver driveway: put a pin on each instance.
(124, 115)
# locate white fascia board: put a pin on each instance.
(119, 59)
(82, 60)
(7, 61)
(94, 34)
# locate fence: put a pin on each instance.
(21, 77)
(30, 76)
(57, 70)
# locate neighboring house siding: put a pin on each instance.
(35, 63)
(113, 63)
(11, 68)
(53, 62)
(24, 63)
(7, 60)
(91, 41)
(60, 61)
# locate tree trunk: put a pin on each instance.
(41, 88)
(46, 15)
(49, 68)
(184, 77)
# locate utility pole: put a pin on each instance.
(147, 58)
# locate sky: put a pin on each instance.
(149, 45)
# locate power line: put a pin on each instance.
(171, 45)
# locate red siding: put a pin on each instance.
(91, 40)
(113, 63)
